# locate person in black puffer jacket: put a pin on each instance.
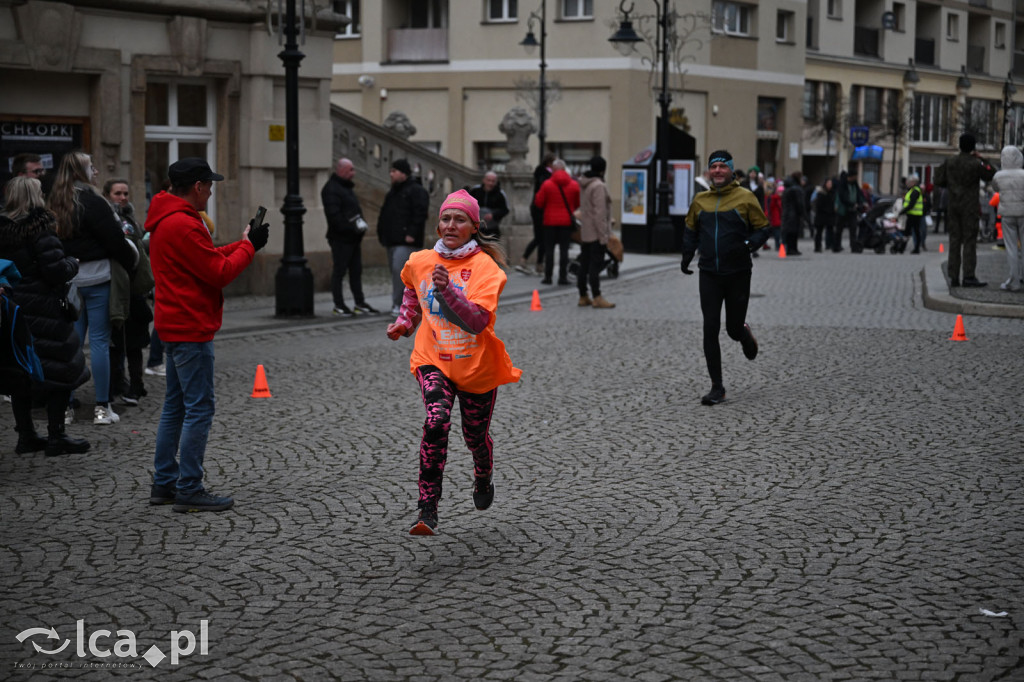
(90, 232)
(28, 239)
(400, 224)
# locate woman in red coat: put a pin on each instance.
(558, 197)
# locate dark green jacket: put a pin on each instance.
(725, 224)
(961, 175)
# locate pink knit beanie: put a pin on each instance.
(463, 201)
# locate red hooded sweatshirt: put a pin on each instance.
(550, 199)
(190, 272)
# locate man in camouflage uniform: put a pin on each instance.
(961, 175)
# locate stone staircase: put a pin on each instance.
(372, 148)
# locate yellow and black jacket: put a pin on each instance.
(726, 224)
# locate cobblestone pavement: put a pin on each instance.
(845, 515)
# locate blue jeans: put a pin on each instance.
(186, 418)
(95, 317)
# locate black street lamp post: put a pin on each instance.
(529, 43)
(1009, 90)
(625, 39)
(293, 285)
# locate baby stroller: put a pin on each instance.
(879, 227)
(610, 260)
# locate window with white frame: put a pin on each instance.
(1015, 125)
(809, 106)
(502, 10)
(350, 8)
(829, 100)
(730, 18)
(784, 26)
(983, 118)
(577, 9)
(895, 108)
(820, 100)
(180, 122)
(872, 106)
(834, 9)
(930, 118)
(952, 26)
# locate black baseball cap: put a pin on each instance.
(190, 170)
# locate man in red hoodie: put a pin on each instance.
(558, 198)
(190, 273)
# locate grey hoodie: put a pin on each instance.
(1009, 182)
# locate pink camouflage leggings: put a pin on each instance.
(438, 398)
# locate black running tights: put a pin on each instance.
(734, 291)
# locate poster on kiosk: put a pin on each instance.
(639, 193)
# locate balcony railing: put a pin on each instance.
(417, 45)
(865, 41)
(924, 51)
(976, 58)
(978, 3)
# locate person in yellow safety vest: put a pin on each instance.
(913, 208)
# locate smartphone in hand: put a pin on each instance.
(261, 213)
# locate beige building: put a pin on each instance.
(912, 75)
(141, 83)
(455, 67)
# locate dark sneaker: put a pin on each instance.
(717, 395)
(426, 524)
(954, 282)
(343, 311)
(973, 282)
(483, 493)
(200, 501)
(130, 399)
(366, 308)
(162, 494)
(749, 344)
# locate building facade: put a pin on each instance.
(141, 83)
(906, 78)
(456, 68)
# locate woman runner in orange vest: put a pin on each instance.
(454, 290)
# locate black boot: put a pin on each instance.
(29, 441)
(60, 443)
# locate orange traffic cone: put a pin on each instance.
(942, 248)
(782, 250)
(259, 387)
(958, 330)
(535, 303)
